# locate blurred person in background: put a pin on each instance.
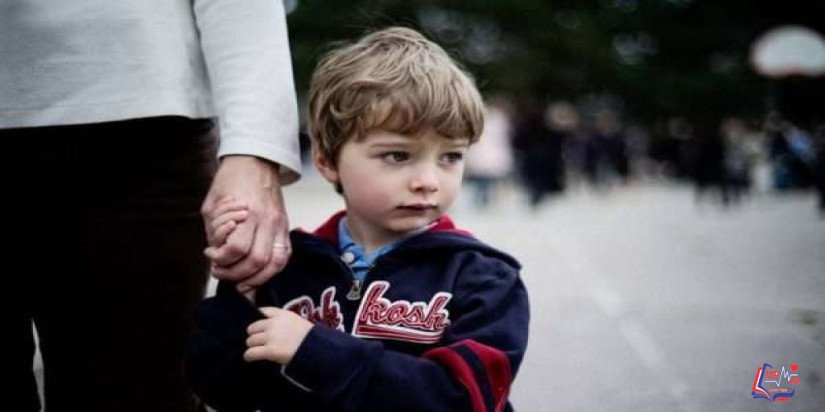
(738, 160)
(606, 155)
(491, 159)
(562, 120)
(106, 116)
(792, 154)
(819, 139)
(541, 136)
(780, 154)
(801, 144)
(666, 148)
(707, 151)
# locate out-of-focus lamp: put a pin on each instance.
(789, 51)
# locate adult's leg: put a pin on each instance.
(25, 273)
(18, 374)
(130, 270)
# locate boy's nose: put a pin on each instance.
(425, 179)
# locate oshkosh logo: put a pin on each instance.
(327, 313)
(417, 322)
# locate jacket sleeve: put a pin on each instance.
(471, 370)
(215, 367)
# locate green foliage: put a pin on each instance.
(661, 58)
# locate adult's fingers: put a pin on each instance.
(280, 255)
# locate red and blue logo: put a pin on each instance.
(775, 385)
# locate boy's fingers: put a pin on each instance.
(237, 258)
(222, 232)
(224, 200)
(236, 247)
(211, 207)
(269, 311)
(229, 207)
(256, 339)
(255, 327)
(237, 216)
(210, 251)
(214, 210)
(260, 325)
(256, 353)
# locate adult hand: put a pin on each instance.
(277, 337)
(259, 246)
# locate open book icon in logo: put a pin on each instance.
(768, 383)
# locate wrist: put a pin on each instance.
(269, 171)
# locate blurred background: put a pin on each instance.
(727, 95)
(657, 166)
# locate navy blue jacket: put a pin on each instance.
(440, 324)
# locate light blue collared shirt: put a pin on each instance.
(354, 255)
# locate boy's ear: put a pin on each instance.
(325, 166)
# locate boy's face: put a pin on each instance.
(394, 184)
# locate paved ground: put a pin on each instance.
(643, 301)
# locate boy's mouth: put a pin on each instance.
(418, 207)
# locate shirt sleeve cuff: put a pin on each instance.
(289, 160)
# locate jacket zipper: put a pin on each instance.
(357, 288)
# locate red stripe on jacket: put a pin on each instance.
(496, 366)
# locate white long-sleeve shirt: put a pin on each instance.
(88, 61)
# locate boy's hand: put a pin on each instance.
(276, 338)
(228, 213)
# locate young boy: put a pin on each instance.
(387, 306)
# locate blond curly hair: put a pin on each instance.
(393, 80)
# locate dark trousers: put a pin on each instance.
(105, 259)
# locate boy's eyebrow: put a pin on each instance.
(459, 143)
(380, 146)
(390, 143)
(395, 142)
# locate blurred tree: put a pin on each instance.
(659, 57)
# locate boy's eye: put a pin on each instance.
(395, 157)
(453, 157)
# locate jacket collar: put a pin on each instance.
(442, 236)
(329, 229)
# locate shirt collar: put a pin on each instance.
(360, 258)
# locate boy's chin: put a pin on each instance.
(402, 226)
